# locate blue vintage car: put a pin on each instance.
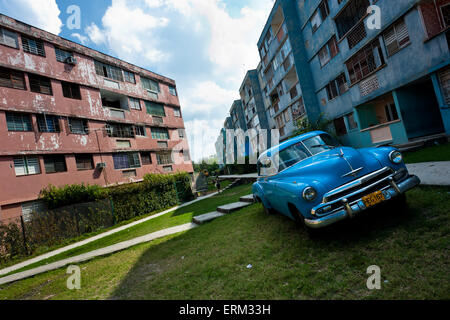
(315, 181)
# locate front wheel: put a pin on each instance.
(268, 211)
(300, 221)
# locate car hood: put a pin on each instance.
(333, 168)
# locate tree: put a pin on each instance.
(322, 124)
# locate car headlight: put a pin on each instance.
(396, 157)
(309, 194)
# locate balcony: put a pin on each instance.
(116, 103)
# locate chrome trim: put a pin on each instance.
(355, 183)
(358, 206)
(352, 173)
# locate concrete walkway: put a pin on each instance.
(100, 236)
(97, 253)
(430, 173)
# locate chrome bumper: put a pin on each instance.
(351, 209)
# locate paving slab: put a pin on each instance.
(248, 199)
(97, 253)
(228, 208)
(204, 218)
(431, 173)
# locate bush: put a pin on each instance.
(157, 192)
(77, 193)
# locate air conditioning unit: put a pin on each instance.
(71, 60)
(101, 165)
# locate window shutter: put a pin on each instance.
(391, 41)
(402, 33)
(8, 38)
(19, 166)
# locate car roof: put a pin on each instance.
(274, 150)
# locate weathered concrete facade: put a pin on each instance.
(387, 85)
(60, 98)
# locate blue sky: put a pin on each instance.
(205, 45)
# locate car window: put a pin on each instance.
(292, 155)
(321, 143)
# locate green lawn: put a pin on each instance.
(178, 217)
(209, 262)
(429, 154)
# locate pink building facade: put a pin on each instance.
(70, 114)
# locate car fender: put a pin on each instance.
(259, 192)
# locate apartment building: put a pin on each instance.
(70, 114)
(387, 85)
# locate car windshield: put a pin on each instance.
(292, 155)
(321, 143)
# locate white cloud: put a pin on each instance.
(43, 14)
(94, 33)
(82, 39)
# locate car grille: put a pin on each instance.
(358, 184)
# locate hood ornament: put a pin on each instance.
(353, 172)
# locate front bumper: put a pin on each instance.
(355, 207)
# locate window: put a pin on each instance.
(33, 46)
(40, 84)
(319, 15)
(55, 163)
(146, 158)
(140, 131)
(350, 16)
(298, 109)
(329, 51)
(71, 90)
(177, 112)
(149, 84)
(336, 87)
(84, 162)
(155, 109)
(8, 38)
(12, 79)
(352, 125)
(181, 133)
(339, 125)
(396, 38)
(18, 122)
(108, 71)
(32, 207)
(173, 90)
(129, 77)
(321, 143)
(126, 160)
(135, 104)
(292, 155)
(365, 62)
(160, 134)
(25, 166)
(78, 126)
(391, 112)
(115, 130)
(62, 55)
(163, 144)
(123, 144)
(164, 158)
(186, 156)
(167, 169)
(444, 79)
(435, 16)
(48, 123)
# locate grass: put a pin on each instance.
(178, 217)
(429, 154)
(209, 262)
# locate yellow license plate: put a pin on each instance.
(373, 199)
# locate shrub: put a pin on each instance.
(305, 126)
(70, 194)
